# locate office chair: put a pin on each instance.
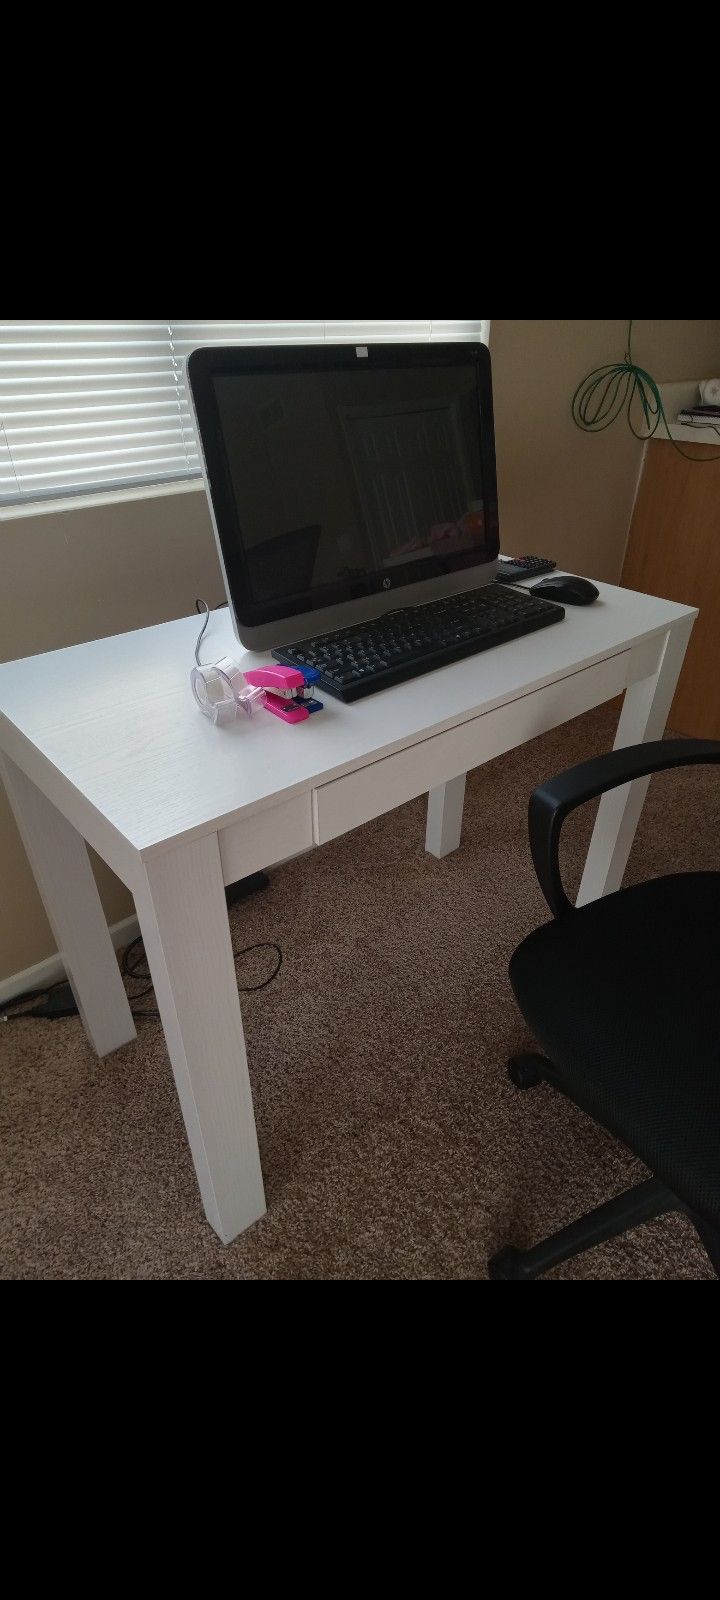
(624, 996)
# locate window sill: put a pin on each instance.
(104, 497)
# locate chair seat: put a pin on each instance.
(624, 997)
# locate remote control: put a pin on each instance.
(513, 568)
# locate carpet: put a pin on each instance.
(393, 1145)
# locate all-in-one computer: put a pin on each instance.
(354, 499)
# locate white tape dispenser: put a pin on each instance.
(220, 689)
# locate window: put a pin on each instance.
(102, 405)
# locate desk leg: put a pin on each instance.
(60, 862)
(643, 717)
(444, 817)
(184, 923)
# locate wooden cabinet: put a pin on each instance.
(674, 551)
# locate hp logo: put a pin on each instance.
(386, 583)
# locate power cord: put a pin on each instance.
(132, 966)
(603, 395)
(59, 1000)
(200, 606)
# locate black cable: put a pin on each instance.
(131, 964)
(264, 944)
(130, 967)
(10, 1012)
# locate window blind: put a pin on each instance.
(98, 405)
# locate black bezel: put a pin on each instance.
(205, 363)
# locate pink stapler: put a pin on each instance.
(281, 685)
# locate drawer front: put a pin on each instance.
(265, 838)
(347, 802)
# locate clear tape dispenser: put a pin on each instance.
(220, 688)
(222, 693)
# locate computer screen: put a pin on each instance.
(345, 480)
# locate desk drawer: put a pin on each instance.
(347, 802)
(265, 838)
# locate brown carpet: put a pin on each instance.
(392, 1143)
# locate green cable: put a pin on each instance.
(604, 393)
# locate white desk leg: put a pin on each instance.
(444, 817)
(184, 923)
(59, 859)
(643, 717)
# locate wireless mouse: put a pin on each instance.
(567, 590)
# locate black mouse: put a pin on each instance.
(567, 590)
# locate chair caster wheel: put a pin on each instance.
(526, 1071)
(508, 1264)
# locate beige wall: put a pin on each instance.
(77, 575)
(562, 492)
(83, 573)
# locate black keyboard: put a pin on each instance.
(403, 644)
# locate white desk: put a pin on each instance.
(103, 742)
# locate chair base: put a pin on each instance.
(509, 1264)
(647, 1200)
(710, 1238)
(616, 1216)
(527, 1070)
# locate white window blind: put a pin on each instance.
(98, 405)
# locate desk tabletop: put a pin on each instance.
(116, 717)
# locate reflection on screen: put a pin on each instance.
(345, 475)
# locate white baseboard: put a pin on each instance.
(53, 970)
